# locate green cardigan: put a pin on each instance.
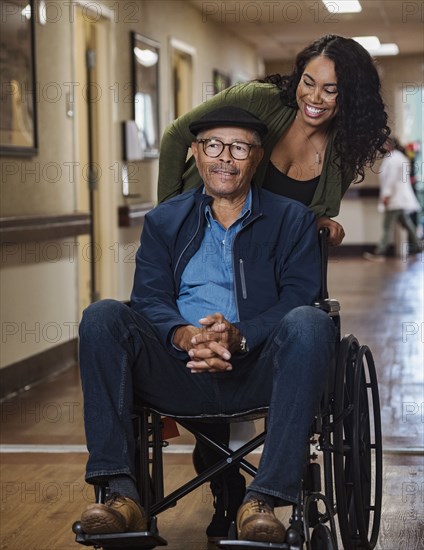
(176, 174)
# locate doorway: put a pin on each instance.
(93, 130)
(182, 56)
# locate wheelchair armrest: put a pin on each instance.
(329, 305)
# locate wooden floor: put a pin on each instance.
(42, 483)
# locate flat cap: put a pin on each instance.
(228, 116)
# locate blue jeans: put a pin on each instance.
(123, 362)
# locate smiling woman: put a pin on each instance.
(316, 99)
(316, 94)
(321, 132)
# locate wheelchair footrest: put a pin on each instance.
(142, 539)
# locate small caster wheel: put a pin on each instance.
(322, 538)
(77, 528)
(293, 537)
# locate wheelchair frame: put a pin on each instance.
(346, 432)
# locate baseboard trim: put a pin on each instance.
(31, 370)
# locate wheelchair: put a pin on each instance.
(343, 459)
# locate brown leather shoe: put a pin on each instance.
(117, 515)
(256, 521)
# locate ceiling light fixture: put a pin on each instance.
(373, 45)
(368, 42)
(390, 48)
(342, 6)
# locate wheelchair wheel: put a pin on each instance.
(322, 539)
(357, 446)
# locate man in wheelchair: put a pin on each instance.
(253, 257)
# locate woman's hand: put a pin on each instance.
(336, 231)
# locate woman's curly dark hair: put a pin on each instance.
(361, 121)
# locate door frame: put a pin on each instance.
(105, 145)
(183, 47)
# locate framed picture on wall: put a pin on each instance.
(18, 114)
(145, 79)
(220, 81)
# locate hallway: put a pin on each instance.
(43, 452)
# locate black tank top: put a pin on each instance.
(281, 184)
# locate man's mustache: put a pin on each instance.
(231, 170)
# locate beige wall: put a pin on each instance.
(38, 280)
(38, 298)
(40, 294)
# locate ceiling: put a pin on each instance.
(279, 29)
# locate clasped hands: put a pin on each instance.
(210, 346)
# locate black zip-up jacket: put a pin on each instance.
(276, 262)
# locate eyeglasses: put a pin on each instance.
(239, 150)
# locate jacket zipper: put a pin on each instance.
(243, 280)
(241, 269)
(190, 241)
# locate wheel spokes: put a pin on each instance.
(357, 446)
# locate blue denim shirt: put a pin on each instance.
(207, 282)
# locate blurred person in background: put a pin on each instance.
(411, 150)
(397, 200)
